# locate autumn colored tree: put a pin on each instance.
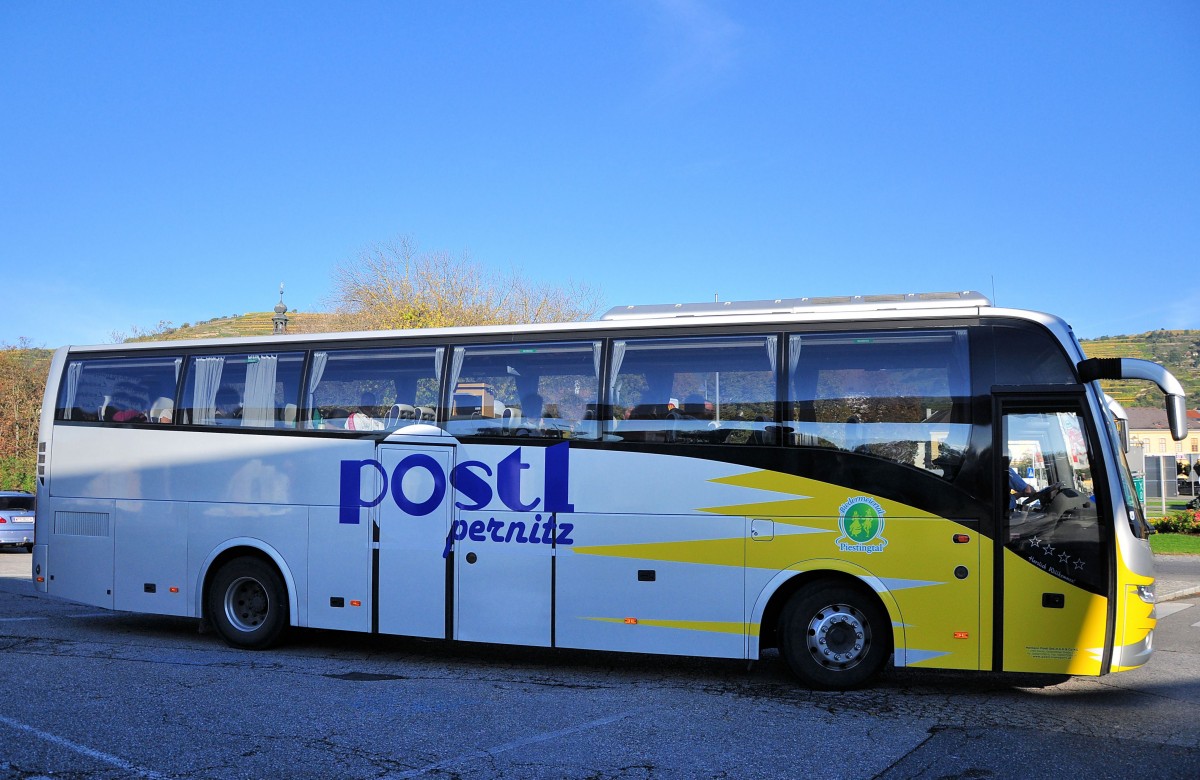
(23, 373)
(396, 286)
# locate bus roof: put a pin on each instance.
(786, 306)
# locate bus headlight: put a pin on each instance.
(1146, 593)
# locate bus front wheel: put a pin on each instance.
(247, 603)
(834, 637)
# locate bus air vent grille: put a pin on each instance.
(81, 523)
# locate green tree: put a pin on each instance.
(23, 373)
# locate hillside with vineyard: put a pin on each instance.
(252, 324)
(1178, 350)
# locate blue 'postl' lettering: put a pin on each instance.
(472, 481)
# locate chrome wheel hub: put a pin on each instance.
(246, 604)
(839, 636)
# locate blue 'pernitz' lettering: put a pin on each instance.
(512, 532)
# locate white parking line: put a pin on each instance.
(1170, 608)
(531, 740)
(84, 750)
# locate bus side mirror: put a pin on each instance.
(1133, 368)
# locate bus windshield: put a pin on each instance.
(1134, 512)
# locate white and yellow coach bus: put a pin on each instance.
(923, 478)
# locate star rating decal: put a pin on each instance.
(1050, 553)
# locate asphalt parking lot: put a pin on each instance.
(103, 695)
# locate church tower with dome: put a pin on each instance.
(280, 320)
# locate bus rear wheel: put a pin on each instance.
(247, 603)
(834, 637)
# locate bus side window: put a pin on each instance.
(902, 396)
(245, 391)
(115, 390)
(698, 390)
(366, 390)
(531, 389)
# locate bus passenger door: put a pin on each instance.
(413, 525)
(1053, 540)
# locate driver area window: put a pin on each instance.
(1052, 517)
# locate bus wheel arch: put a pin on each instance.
(831, 604)
(247, 596)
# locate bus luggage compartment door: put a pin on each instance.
(79, 565)
(414, 522)
(503, 571)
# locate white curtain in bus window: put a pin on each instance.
(118, 390)
(71, 390)
(206, 379)
(372, 389)
(902, 396)
(547, 390)
(260, 408)
(255, 391)
(694, 390)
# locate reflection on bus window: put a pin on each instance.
(1054, 524)
(712, 390)
(540, 390)
(902, 396)
(119, 390)
(372, 389)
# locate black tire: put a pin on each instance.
(29, 548)
(247, 603)
(834, 637)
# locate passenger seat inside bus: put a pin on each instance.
(399, 415)
(162, 410)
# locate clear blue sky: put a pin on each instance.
(177, 161)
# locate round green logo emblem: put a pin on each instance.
(861, 522)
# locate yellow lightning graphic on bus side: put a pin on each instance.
(807, 523)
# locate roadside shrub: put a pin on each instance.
(1185, 522)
